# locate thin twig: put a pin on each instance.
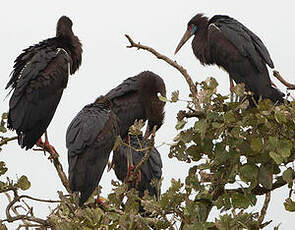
(283, 81)
(5, 140)
(264, 208)
(181, 69)
(146, 155)
(58, 166)
(40, 200)
(23, 218)
(26, 226)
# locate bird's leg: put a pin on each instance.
(130, 165)
(231, 87)
(273, 84)
(147, 133)
(129, 155)
(231, 84)
(100, 202)
(40, 144)
(49, 147)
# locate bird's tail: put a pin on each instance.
(277, 96)
(85, 172)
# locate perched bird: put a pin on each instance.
(90, 138)
(227, 43)
(38, 79)
(137, 98)
(150, 171)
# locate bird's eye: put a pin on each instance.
(192, 28)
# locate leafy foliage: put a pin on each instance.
(232, 152)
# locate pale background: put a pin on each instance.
(101, 26)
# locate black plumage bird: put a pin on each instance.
(150, 171)
(137, 98)
(90, 138)
(227, 43)
(38, 79)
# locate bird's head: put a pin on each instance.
(64, 26)
(192, 27)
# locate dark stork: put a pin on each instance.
(137, 99)
(151, 170)
(38, 79)
(90, 138)
(227, 43)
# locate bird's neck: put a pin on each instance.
(73, 46)
(200, 46)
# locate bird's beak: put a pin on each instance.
(185, 37)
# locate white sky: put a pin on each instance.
(101, 26)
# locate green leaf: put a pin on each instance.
(180, 124)
(273, 141)
(284, 148)
(288, 175)
(256, 144)
(193, 151)
(23, 183)
(3, 168)
(4, 116)
(162, 98)
(201, 127)
(276, 157)
(280, 117)
(265, 177)
(289, 205)
(118, 143)
(239, 200)
(216, 125)
(248, 172)
(175, 96)
(239, 89)
(229, 117)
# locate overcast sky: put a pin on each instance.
(101, 26)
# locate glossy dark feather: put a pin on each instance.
(227, 43)
(38, 79)
(136, 98)
(90, 138)
(150, 170)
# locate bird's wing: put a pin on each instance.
(90, 138)
(38, 71)
(151, 169)
(24, 58)
(156, 163)
(37, 90)
(126, 103)
(247, 43)
(128, 86)
(85, 127)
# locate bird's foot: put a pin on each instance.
(51, 150)
(130, 175)
(101, 202)
(46, 147)
(40, 144)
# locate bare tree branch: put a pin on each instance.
(18, 216)
(148, 152)
(58, 166)
(282, 80)
(181, 69)
(5, 140)
(264, 208)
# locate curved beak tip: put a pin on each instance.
(183, 40)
